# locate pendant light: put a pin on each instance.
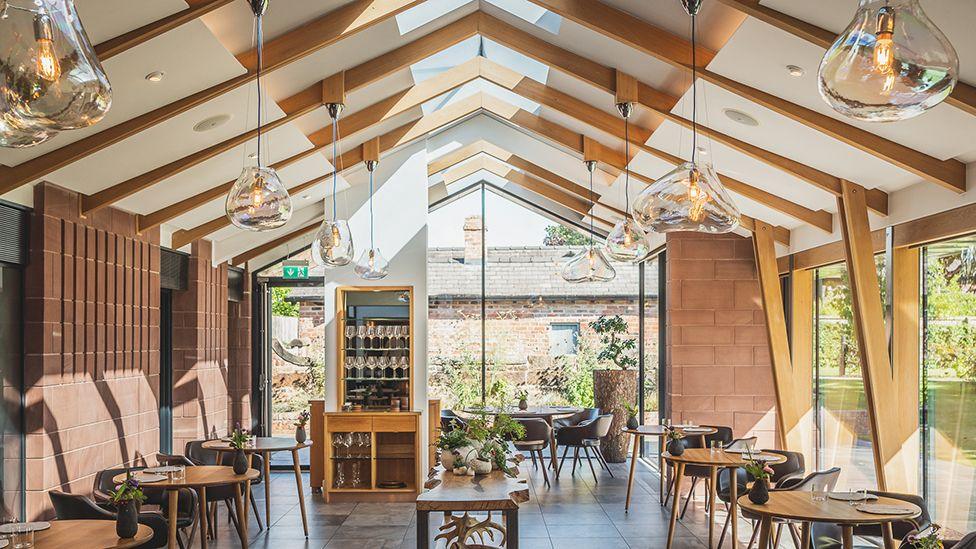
(333, 246)
(891, 63)
(689, 197)
(258, 201)
(590, 264)
(372, 265)
(50, 77)
(627, 242)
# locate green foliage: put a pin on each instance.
(453, 439)
(951, 334)
(558, 235)
(522, 394)
(616, 348)
(126, 492)
(631, 409)
(239, 439)
(280, 307)
(575, 375)
(303, 418)
(759, 469)
(461, 377)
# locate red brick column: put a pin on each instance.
(239, 357)
(718, 363)
(91, 345)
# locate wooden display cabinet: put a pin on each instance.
(382, 450)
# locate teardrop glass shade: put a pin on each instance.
(689, 198)
(49, 73)
(589, 265)
(372, 265)
(16, 136)
(891, 63)
(332, 246)
(627, 242)
(258, 201)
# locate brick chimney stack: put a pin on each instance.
(472, 240)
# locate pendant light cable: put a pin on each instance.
(372, 245)
(626, 167)
(260, 60)
(694, 92)
(591, 206)
(335, 169)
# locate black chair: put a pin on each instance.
(587, 414)
(785, 474)
(586, 435)
(450, 421)
(186, 507)
(78, 507)
(820, 481)
(700, 472)
(967, 542)
(537, 436)
(900, 528)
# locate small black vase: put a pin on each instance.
(300, 435)
(632, 422)
(127, 520)
(240, 462)
(676, 447)
(759, 493)
(523, 404)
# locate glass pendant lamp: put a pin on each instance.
(333, 246)
(50, 77)
(891, 63)
(371, 264)
(590, 264)
(627, 242)
(258, 201)
(689, 197)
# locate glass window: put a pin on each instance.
(651, 384)
(563, 339)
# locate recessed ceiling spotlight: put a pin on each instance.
(155, 76)
(213, 122)
(702, 150)
(306, 196)
(795, 71)
(741, 117)
(252, 156)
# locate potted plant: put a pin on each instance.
(127, 498)
(631, 411)
(523, 399)
(238, 441)
(926, 539)
(675, 447)
(300, 434)
(615, 386)
(759, 493)
(450, 442)
(488, 443)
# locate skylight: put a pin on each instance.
(425, 12)
(430, 10)
(533, 13)
(476, 86)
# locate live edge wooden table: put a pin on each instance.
(267, 446)
(548, 413)
(447, 492)
(799, 506)
(657, 431)
(714, 459)
(82, 534)
(199, 478)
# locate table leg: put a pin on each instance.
(202, 500)
(847, 535)
(247, 493)
(511, 529)
(552, 444)
(423, 529)
(765, 527)
(267, 489)
(661, 467)
(805, 535)
(679, 469)
(633, 468)
(174, 500)
(734, 507)
(241, 525)
(888, 535)
(713, 481)
(301, 489)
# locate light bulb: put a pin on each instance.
(333, 245)
(372, 265)
(627, 242)
(258, 201)
(697, 198)
(689, 198)
(588, 265)
(48, 66)
(891, 63)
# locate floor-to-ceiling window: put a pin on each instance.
(949, 382)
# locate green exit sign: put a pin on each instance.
(295, 270)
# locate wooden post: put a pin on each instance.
(801, 352)
(317, 452)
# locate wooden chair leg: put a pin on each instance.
(535, 464)
(725, 528)
(231, 514)
(795, 534)
(212, 519)
(193, 533)
(561, 461)
(779, 531)
(755, 532)
(254, 508)
(545, 475)
(691, 495)
(589, 461)
(575, 460)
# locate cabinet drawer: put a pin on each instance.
(337, 424)
(395, 424)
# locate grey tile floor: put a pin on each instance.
(574, 513)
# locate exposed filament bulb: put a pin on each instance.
(48, 66)
(884, 45)
(697, 197)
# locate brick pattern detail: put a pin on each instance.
(200, 376)
(91, 345)
(239, 356)
(719, 371)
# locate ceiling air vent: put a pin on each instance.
(173, 269)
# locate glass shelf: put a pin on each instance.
(376, 378)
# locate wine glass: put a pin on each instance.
(340, 477)
(361, 333)
(370, 335)
(350, 336)
(405, 334)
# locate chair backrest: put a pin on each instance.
(722, 434)
(900, 528)
(818, 481)
(199, 455)
(586, 414)
(77, 507)
(967, 542)
(793, 466)
(450, 421)
(602, 425)
(742, 443)
(535, 428)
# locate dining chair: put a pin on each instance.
(450, 421)
(586, 435)
(786, 472)
(186, 507)
(967, 542)
(818, 481)
(199, 455)
(900, 528)
(79, 507)
(700, 472)
(537, 436)
(586, 414)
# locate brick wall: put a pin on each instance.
(239, 357)
(92, 345)
(718, 361)
(200, 375)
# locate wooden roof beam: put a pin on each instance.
(147, 32)
(244, 257)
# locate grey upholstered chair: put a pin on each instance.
(586, 435)
(537, 436)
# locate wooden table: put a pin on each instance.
(656, 431)
(713, 459)
(199, 478)
(800, 506)
(267, 446)
(547, 413)
(80, 534)
(447, 492)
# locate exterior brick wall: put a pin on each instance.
(92, 345)
(239, 357)
(718, 362)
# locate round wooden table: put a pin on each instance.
(267, 446)
(199, 478)
(97, 534)
(799, 506)
(657, 431)
(713, 459)
(547, 413)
